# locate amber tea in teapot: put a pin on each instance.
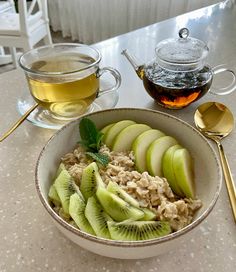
(176, 90)
(178, 75)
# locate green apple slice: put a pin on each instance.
(155, 154)
(125, 139)
(168, 169)
(113, 131)
(183, 170)
(140, 146)
(106, 128)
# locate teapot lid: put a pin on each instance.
(182, 54)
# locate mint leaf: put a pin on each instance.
(91, 140)
(99, 139)
(88, 131)
(90, 136)
(99, 157)
(92, 147)
(83, 143)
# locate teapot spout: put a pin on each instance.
(138, 68)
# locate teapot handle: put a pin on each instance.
(224, 90)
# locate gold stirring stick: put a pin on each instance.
(21, 120)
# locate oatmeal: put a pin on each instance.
(151, 192)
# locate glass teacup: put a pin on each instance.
(65, 78)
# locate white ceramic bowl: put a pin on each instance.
(208, 180)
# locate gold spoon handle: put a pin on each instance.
(16, 125)
(228, 179)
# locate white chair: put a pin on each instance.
(7, 6)
(26, 28)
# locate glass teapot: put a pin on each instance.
(179, 75)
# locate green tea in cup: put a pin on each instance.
(64, 78)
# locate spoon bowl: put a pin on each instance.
(216, 121)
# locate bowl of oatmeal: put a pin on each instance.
(161, 216)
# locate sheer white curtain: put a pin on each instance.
(91, 21)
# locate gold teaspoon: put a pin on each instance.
(16, 125)
(216, 121)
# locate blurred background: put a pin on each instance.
(79, 21)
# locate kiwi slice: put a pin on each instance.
(65, 187)
(53, 196)
(60, 168)
(138, 230)
(76, 210)
(116, 207)
(114, 188)
(97, 217)
(90, 180)
(148, 215)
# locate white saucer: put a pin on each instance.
(42, 118)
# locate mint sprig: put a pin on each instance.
(91, 139)
(99, 157)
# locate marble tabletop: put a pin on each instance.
(29, 240)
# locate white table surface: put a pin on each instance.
(29, 240)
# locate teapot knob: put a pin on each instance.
(183, 33)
